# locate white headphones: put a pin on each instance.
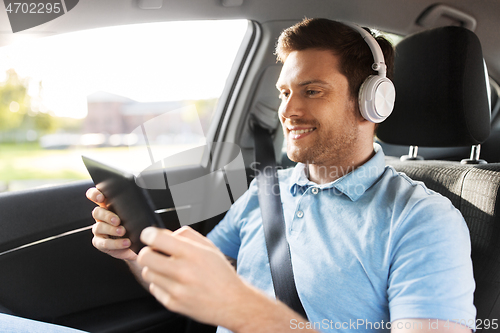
(377, 93)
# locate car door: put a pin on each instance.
(50, 271)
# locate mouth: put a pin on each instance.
(299, 133)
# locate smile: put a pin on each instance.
(300, 133)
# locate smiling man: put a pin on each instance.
(371, 249)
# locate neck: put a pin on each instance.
(322, 173)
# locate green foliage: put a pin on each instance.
(14, 101)
(16, 114)
(44, 122)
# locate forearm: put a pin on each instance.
(136, 269)
(255, 312)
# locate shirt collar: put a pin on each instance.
(354, 184)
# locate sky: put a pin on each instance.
(147, 63)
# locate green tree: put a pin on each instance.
(14, 101)
(17, 117)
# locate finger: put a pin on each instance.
(169, 287)
(105, 229)
(109, 244)
(193, 235)
(161, 295)
(104, 215)
(166, 291)
(157, 262)
(162, 240)
(95, 195)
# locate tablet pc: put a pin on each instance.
(125, 198)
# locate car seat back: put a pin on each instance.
(442, 101)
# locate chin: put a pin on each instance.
(301, 153)
(297, 157)
(293, 158)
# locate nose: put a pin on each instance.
(291, 107)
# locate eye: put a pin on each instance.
(310, 92)
(284, 95)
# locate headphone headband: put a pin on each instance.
(378, 56)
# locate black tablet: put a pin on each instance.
(125, 198)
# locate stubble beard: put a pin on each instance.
(333, 148)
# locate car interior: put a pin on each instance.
(444, 131)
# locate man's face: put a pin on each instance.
(318, 115)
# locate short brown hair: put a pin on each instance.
(355, 55)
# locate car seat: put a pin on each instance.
(442, 101)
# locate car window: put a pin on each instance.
(131, 95)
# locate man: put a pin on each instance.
(368, 245)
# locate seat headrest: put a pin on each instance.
(441, 91)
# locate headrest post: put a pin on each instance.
(474, 156)
(413, 151)
(412, 155)
(475, 152)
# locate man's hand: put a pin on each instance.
(189, 275)
(107, 230)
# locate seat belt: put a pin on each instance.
(273, 221)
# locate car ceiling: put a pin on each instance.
(397, 16)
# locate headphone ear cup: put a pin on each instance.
(376, 98)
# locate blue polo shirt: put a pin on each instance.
(371, 247)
